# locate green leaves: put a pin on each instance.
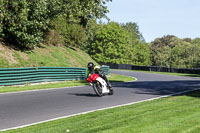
(25, 22)
(1, 17)
(73, 35)
(81, 11)
(171, 51)
(109, 44)
(113, 43)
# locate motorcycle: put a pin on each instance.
(99, 85)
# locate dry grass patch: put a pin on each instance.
(8, 54)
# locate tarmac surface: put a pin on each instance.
(24, 108)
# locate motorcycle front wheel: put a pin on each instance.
(98, 89)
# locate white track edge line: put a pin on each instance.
(36, 90)
(178, 93)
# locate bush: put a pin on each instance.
(54, 38)
(75, 35)
(72, 34)
(22, 26)
(26, 22)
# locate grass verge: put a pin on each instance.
(166, 115)
(112, 78)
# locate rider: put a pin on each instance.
(96, 69)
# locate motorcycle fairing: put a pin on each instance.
(104, 85)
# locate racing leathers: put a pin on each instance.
(100, 72)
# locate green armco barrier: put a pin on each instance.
(106, 69)
(18, 76)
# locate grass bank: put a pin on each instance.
(174, 114)
(46, 55)
(112, 78)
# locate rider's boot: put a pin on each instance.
(108, 83)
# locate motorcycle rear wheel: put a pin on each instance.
(111, 92)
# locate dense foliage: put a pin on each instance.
(71, 35)
(24, 23)
(138, 51)
(171, 51)
(110, 44)
(1, 16)
(115, 43)
(73, 23)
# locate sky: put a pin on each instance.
(157, 18)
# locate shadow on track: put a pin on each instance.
(84, 95)
(161, 87)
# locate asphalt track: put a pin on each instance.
(23, 108)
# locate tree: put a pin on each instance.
(187, 40)
(138, 50)
(15, 22)
(55, 8)
(196, 41)
(80, 11)
(91, 30)
(185, 55)
(171, 51)
(161, 50)
(169, 40)
(1, 17)
(133, 29)
(25, 23)
(160, 56)
(110, 44)
(140, 54)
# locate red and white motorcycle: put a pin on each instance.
(99, 85)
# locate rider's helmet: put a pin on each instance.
(90, 66)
